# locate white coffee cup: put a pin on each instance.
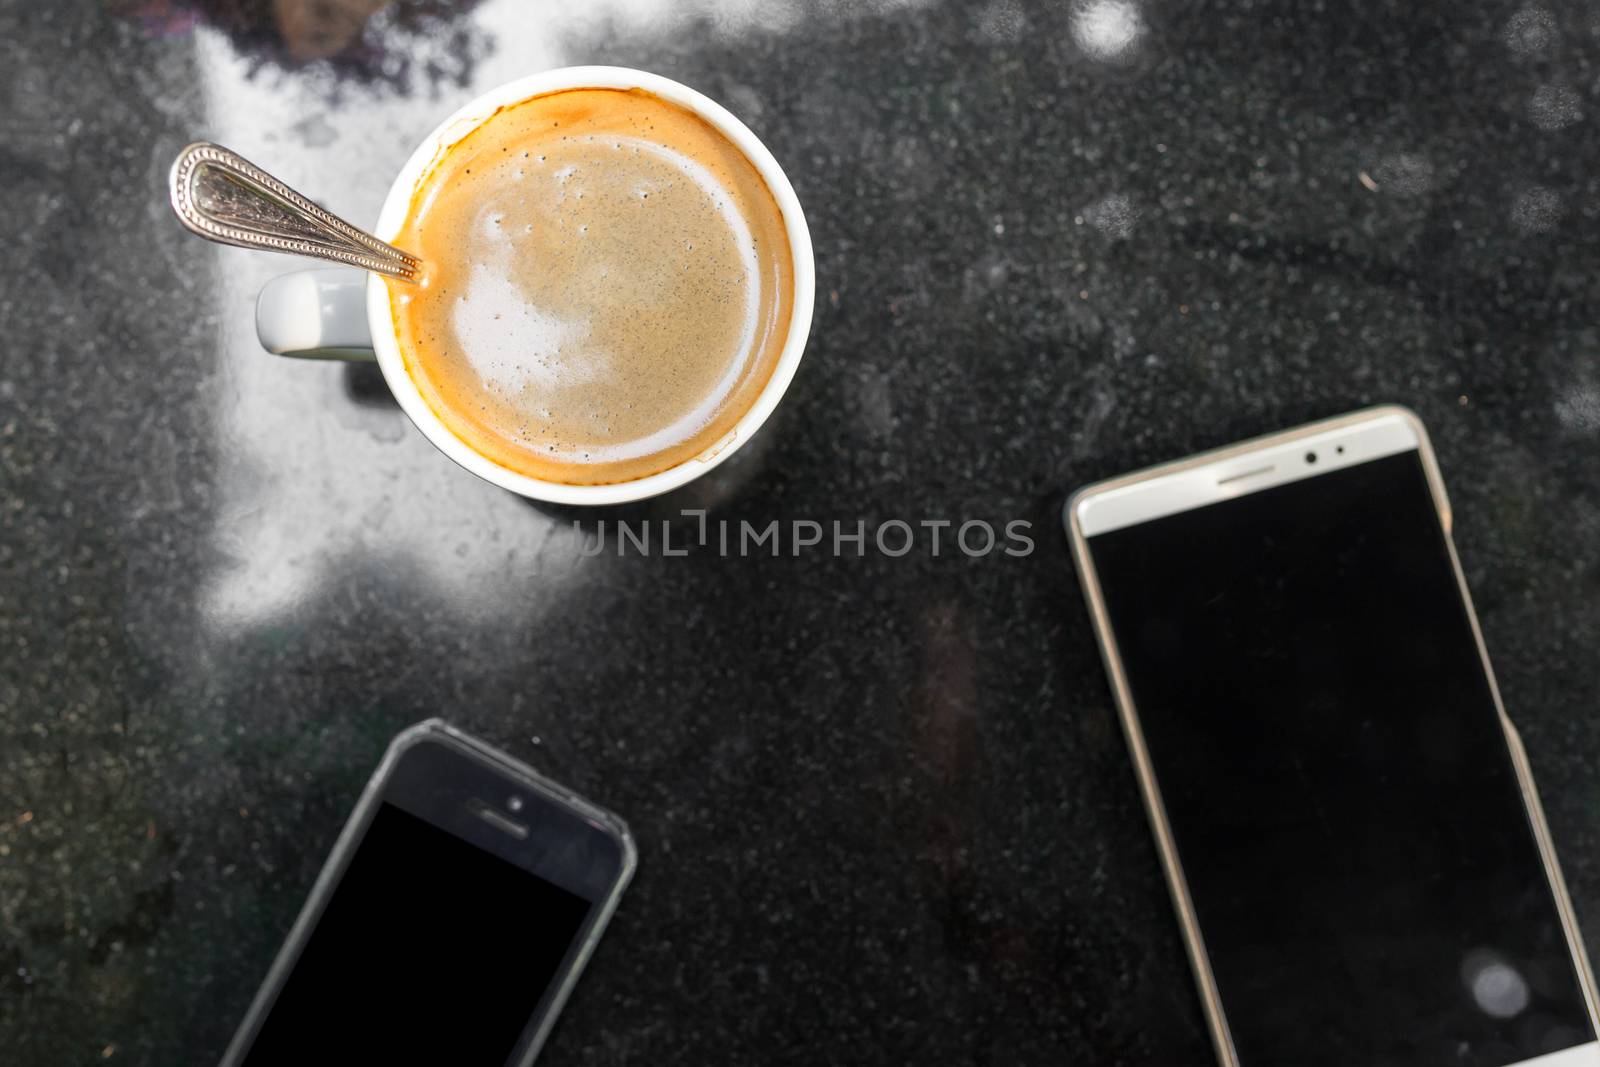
(344, 314)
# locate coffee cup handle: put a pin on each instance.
(316, 314)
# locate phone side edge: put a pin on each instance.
(327, 880)
(580, 961)
(628, 862)
(1520, 763)
(1149, 790)
(608, 822)
(1430, 462)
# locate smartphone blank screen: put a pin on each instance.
(431, 950)
(1342, 796)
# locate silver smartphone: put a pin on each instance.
(449, 924)
(1348, 825)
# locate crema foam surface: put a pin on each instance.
(608, 287)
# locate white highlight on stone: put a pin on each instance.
(1579, 409)
(1113, 215)
(1554, 107)
(1002, 22)
(1530, 31)
(321, 482)
(1404, 174)
(1107, 29)
(1536, 209)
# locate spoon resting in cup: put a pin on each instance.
(223, 197)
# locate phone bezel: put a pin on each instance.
(1236, 470)
(476, 769)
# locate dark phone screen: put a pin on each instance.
(1339, 788)
(431, 950)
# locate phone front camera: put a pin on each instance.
(514, 803)
(1311, 457)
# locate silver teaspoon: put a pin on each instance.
(223, 197)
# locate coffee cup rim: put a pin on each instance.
(468, 118)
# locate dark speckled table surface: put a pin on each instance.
(884, 809)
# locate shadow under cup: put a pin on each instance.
(514, 355)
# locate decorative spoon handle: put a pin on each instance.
(224, 197)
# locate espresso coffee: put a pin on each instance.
(608, 286)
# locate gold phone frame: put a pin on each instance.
(1199, 961)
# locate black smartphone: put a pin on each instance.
(1347, 820)
(449, 924)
